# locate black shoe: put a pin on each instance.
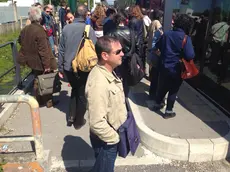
(168, 115)
(69, 124)
(157, 107)
(51, 103)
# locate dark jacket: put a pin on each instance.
(35, 51)
(69, 42)
(170, 46)
(137, 25)
(108, 26)
(124, 36)
(62, 14)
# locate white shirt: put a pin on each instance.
(147, 20)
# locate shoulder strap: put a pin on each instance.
(218, 29)
(133, 42)
(85, 35)
(184, 41)
(87, 28)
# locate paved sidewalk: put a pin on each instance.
(195, 117)
(197, 128)
(69, 148)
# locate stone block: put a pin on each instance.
(221, 148)
(201, 150)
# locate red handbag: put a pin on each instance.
(189, 70)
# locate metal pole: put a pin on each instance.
(15, 11)
(89, 5)
(35, 115)
(18, 70)
(168, 10)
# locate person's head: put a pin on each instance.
(69, 18)
(144, 11)
(184, 22)
(104, 5)
(81, 11)
(50, 7)
(109, 52)
(119, 19)
(37, 4)
(110, 12)
(99, 11)
(88, 14)
(47, 10)
(62, 3)
(156, 15)
(135, 11)
(35, 14)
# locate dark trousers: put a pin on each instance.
(105, 155)
(154, 75)
(77, 105)
(216, 56)
(168, 83)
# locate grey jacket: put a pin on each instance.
(70, 39)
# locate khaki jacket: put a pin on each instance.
(106, 104)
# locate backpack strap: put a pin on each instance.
(87, 28)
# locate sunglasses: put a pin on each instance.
(48, 11)
(118, 51)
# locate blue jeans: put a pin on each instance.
(51, 40)
(105, 155)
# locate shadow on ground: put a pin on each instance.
(75, 148)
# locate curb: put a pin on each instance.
(9, 108)
(192, 150)
(130, 161)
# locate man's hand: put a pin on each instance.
(60, 74)
(47, 70)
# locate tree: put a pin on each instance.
(3, 0)
(53, 2)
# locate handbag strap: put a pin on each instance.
(184, 41)
(217, 30)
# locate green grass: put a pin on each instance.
(6, 62)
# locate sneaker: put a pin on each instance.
(169, 114)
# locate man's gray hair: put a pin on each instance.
(81, 11)
(35, 14)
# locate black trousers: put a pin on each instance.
(77, 104)
(154, 75)
(168, 83)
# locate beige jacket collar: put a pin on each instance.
(108, 75)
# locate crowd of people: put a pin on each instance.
(116, 33)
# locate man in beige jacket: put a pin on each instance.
(106, 103)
